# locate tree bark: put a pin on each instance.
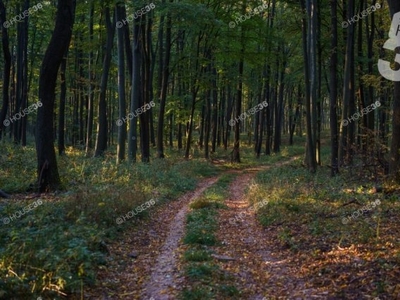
(102, 125)
(7, 70)
(48, 177)
(120, 14)
(333, 92)
(164, 87)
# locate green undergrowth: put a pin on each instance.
(55, 248)
(248, 157)
(317, 213)
(206, 279)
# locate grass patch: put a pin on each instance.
(206, 280)
(199, 271)
(197, 255)
(197, 293)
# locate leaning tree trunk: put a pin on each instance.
(48, 177)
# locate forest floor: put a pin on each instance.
(263, 229)
(146, 262)
(259, 262)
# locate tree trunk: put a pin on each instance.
(135, 94)
(120, 14)
(61, 117)
(90, 112)
(309, 67)
(47, 171)
(7, 70)
(102, 125)
(164, 87)
(347, 125)
(333, 92)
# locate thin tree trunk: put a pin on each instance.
(90, 112)
(164, 87)
(347, 125)
(120, 14)
(102, 125)
(333, 92)
(61, 118)
(6, 72)
(136, 93)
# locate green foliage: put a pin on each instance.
(43, 251)
(200, 270)
(58, 246)
(197, 293)
(197, 255)
(201, 224)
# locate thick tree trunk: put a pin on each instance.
(48, 177)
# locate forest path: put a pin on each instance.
(146, 254)
(258, 268)
(148, 269)
(164, 278)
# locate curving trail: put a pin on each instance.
(164, 279)
(147, 264)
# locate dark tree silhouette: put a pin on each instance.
(48, 177)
